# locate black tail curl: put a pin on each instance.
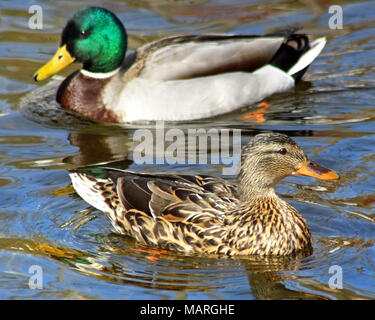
(289, 53)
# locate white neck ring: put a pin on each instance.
(99, 75)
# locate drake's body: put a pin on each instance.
(176, 78)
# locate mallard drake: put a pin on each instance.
(176, 78)
(209, 215)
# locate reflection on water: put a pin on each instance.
(330, 114)
(119, 260)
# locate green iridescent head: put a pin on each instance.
(93, 36)
(97, 38)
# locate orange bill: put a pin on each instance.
(314, 170)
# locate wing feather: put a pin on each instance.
(186, 57)
(174, 197)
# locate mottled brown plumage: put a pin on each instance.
(208, 215)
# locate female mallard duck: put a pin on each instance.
(176, 78)
(208, 215)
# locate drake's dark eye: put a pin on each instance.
(84, 34)
(282, 151)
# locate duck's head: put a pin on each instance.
(93, 36)
(270, 157)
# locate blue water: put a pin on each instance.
(330, 115)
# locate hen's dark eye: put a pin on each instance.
(282, 151)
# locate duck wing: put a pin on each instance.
(174, 197)
(191, 56)
(175, 212)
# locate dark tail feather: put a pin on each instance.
(290, 52)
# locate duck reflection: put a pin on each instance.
(99, 148)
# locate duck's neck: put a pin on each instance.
(255, 186)
(99, 75)
(250, 193)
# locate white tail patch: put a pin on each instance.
(308, 57)
(87, 189)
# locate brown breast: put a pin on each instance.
(82, 95)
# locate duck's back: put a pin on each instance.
(184, 57)
(175, 212)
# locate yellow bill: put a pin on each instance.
(60, 61)
(314, 170)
